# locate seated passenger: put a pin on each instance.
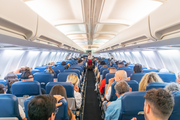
(158, 105)
(119, 75)
(178, 78)
(98, 75)
(137, 69)
(121, 64)
(172, 87)
(74, 80)
(50, 70)
(103, 82)
(27, 69)
(164, 70)
(149, 78)
(63, 63)
(43, 107)
(114, 108)
(28, 76)
(21, 111)
(126, 65)
(11, 78)
(60, 90)
(66, 67)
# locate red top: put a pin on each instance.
(101, 90)
(89, 62)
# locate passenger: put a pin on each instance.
(80, 61)
(103, 82)
(158, 105)
(21, 111)
(43, 107)
(119, 75)
(28, 76)
(28, 69)
(126, 65)
(121, 64)
(178, 78)
(63, 63)
(22, 69)
(114, 108)
(75, 80)
(66, 67)
(90, 56)
(164, 70)
(50, 70)
(138, 68)
(149, 78)
(60, 90)
(11, 78)
(172, 87)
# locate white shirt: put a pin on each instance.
(21, 112)
(108, 95)
(90, 57)
(78, 99)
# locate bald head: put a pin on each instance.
(120, 75)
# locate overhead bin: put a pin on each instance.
(165, 21)
(17, 19)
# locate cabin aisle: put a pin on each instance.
(92, 110)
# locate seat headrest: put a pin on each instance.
(155, 85)
(124, 68)
(26, 88)
(72, 70)
(137, 76)
(43, 77)
(104, 72)
(68, 86)
(149, 70)
(167, 77)
(108, 76)
(103, 68)
(9, 106)
(41, 69)
(35, 71)
(62, 77)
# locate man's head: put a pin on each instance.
(158, 104)
(138, 68)
(27, 76)
(80, 61)
(121, 87)
(42, 107)
(172, 87)
(120, 64)
(120, 75)
(2, 89)
(112, 70)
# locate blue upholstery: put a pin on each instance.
(103, 68)
(62, 77)
(155, 85)
(149, 70)
(129, 72)
(131, 66)
(62, 110)
(176, 110)
(68, 86)
(132, 83)
(116, 66)
(41, 69)
(73, 70)
(61, 68)
(132, 104)
(167, 77)
(104, 73)
(78, 68)
(124, 68)
(18, 74)
(26, 88)
(5, 83)
(109, 76)
(57, 71)
(35, 71)
(9, 106)
(144, 67)
(43, 78)
(137, 76)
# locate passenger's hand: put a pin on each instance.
(58, 97)
(134, 118)
(111, 81)
(76, 88)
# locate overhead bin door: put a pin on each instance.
(17, 19)
(165, 21)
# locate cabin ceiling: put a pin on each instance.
(91, 23)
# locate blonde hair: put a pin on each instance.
(149, 78)
(73, 79)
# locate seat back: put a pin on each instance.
(104, 73)
(149, 70)
(35, 71)
(43, 78)
(124, 68)
(132, 83)
(103, 68)
(129, 73)
(167, 77)
(9, 107)
(131, 66)
(5, 83)
(109, 76)
(137, 76)
(41, 69)
(18, 75)
(116, 66)
(132, 104)
(62, 113)
(57, 71)
(155, 85)
(62, 77)
(74, 70)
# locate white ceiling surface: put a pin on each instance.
(91, 23)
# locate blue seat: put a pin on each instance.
(137, 76)
(62, 110)
(155, 85)
(132, 83)
(149, 70)
(35, 71)
(43, 78)
(167, 77)
(9, 106)
(176, 110)
(144, 68)
(129, 73)
(5, 83)
(26, 88)
(103, 68)
(116, 66)
(18, 74)
(124, 68)
(57, 71)
(61, 68)
(62, 77)
(131, 66)
(108, 76)
(41, 69)
(78, 68)
(104, 73)
(132, 104)
(74, 70)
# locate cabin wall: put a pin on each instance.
(169, 59)
(13, 59)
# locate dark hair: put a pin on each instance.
(102, 63)
(26, 74)
(79, 61)
(27, 69)
(60, 90)
(63, 63)
(121, 63)
(162, 101)
(116, 62)
(127, 64)
(41, 107)
(138, 68)
(2, 87)
(66, 67)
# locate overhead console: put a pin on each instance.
(165, 21)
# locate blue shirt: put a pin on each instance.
(113, 110)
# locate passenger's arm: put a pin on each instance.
(97, 78)
(109, 85)
(21, 112)
(134, 118)
(108, 94)
(78, 99)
